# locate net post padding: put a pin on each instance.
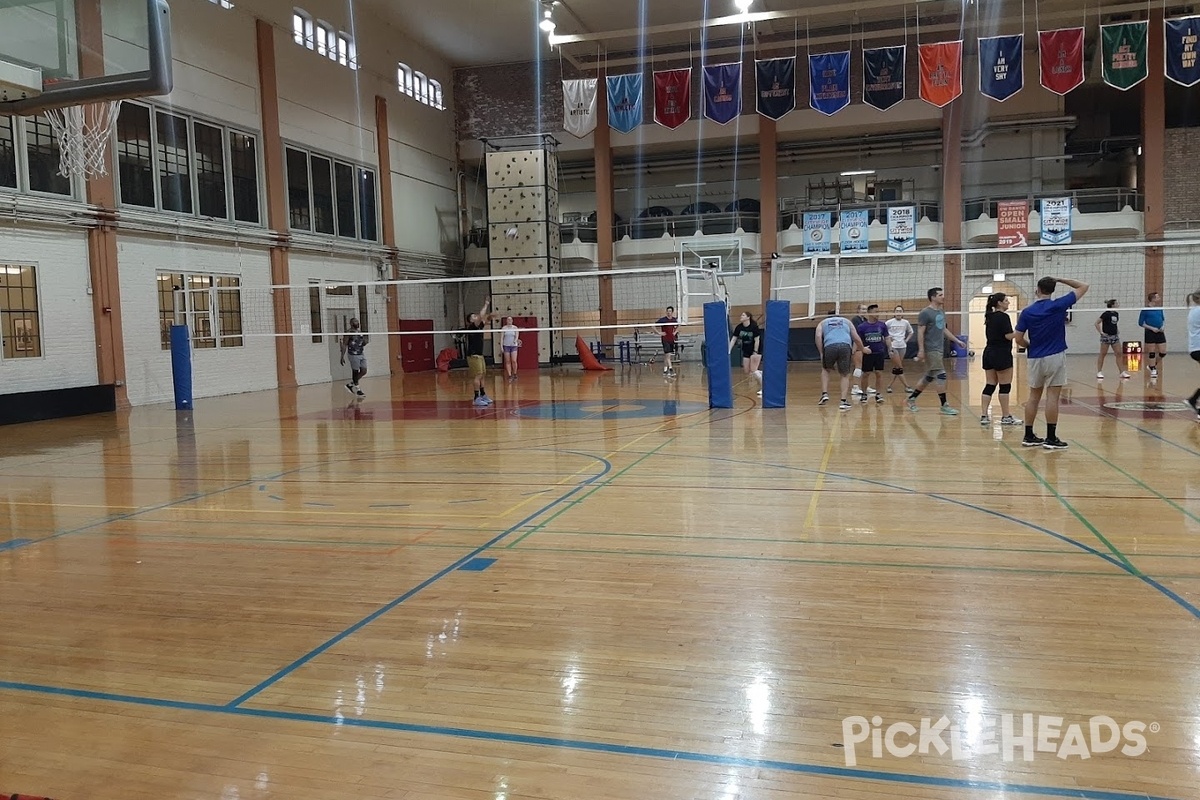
(83, 134)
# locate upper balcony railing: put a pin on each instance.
(1105, 200)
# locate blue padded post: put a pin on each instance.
(181, 367)
(775, 353)
(716, 337)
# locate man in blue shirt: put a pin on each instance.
(1042, 329)
(1153, 321)
(837, 342)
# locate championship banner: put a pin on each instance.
(1180, 51)
(1061, 55)
(883, 76)
(902, 229)
(1012, 223)
(723, 92)
(673, 97)
(941, 72)
(1056, 220)
(817, 225)
(829, 82)
(579, 106)
(775, 85)
(625, 101)
(1001, 66)
(1123, 54)
(855, 233)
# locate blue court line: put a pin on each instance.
(13, 544)
(585, 745)
(316, 651)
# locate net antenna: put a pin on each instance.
(83, 133)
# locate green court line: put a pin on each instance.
(1074, 511)
(568, 506)
(1154, 492)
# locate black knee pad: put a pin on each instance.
(989, 389)
(1152, 356)
(1005, 388)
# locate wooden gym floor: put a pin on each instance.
(597, 589)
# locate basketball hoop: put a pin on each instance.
(83, 134)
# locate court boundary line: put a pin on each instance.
(585, 745)
(1138, 482)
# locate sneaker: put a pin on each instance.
(758, 376)
(1099, 376)
(487, 401)
(1032, 441)
(871, 390)
(845, 405)
(479, 402)
(889, 390)
(350, 388)
(863, 399)
(1153, 372)
(855, 390)
(665, 370)
(984, 421)
(1009, 419)
(949, 412)
(1054, 444)
(358, 391)
(1194, 403)
(1125, 376)
(912, 404)
(878, 398)
(760, 392)
(824, 399)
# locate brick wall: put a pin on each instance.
(500, 101)
(1182, 201)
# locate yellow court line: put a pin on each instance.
(816, 490)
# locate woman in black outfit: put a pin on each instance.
(997, 358)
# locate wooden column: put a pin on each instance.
(102, 240)
(602, 145)
(768, 181)
(388, 212)
(277, 219)
(1154, 134)
(952, 206)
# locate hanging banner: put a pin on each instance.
(1056, 220)
(883, 76)
(1012, 223)
(1180, 52)
(855, 233)
(1001, 66)
(579, 106)
(723, 92)
(902, 229)
(673, 97)
(829, 82)
(1123, 54)
(1061, 55)
(817, 225)
(941, 72)
(625, 101)
(775, 85)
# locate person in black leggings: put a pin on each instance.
(997, 359)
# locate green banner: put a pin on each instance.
(1123, 54)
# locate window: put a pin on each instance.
(366, 205)
(323, 38)
(174, 170)
(326, 41)
(419, 86)
(210, 171)
(404, 79)
(347, 53)
(322, 193)
(8, 154)
(20, 322)
(41, 148)
(302, 28)
(134, 148)
(222, 3)
(299, 213)
(210, 305)
(363, 308)
(243, 168)
(314, 312)
(435, 95)
(330, 197)
(343, 181)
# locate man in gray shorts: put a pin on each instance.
(836, 342)
(353, 344)
(931, 343)
(1042, 329)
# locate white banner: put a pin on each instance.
(902, 229)
(579, 106)
(1056, 220)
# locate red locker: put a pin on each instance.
(527, 355)
(416, 351)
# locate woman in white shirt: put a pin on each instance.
(1194, 343)
(900, 333)
(510, 340)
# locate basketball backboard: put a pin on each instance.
(56, 53)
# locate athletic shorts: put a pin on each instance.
(747, 350)
(999, 358)
(935, 364)
(1114, 339)
(1048, 371)
(358, 363)
(668, 346)
(837, 356)
(1156, 337)
(475, 366)
(510, 348)
(873, 362)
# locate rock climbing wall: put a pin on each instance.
(524, 239)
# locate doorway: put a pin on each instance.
(337, 322)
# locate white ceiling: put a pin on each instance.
(481, 32)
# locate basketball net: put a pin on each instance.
(83, 134)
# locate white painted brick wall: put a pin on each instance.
(68, 332)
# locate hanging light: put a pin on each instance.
(547, 24)
(743, 5)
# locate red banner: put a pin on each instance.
(1012, 223)
(941, 72)
(673, 97)
(1061, 56)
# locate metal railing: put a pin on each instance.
(1105, 200)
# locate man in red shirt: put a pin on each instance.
(666, 328)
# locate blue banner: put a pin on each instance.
(625, 101)
(1181, 39)
(723, 92)
(775, 85)
(829, 82)
(1056, 220)
(855, 233)
(1001, 66)
(817, 226)
(883, 76)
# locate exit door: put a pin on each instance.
(416, 350)
(527, 354)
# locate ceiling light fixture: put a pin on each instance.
(547, 23)
(850, 173)
(743, 5)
